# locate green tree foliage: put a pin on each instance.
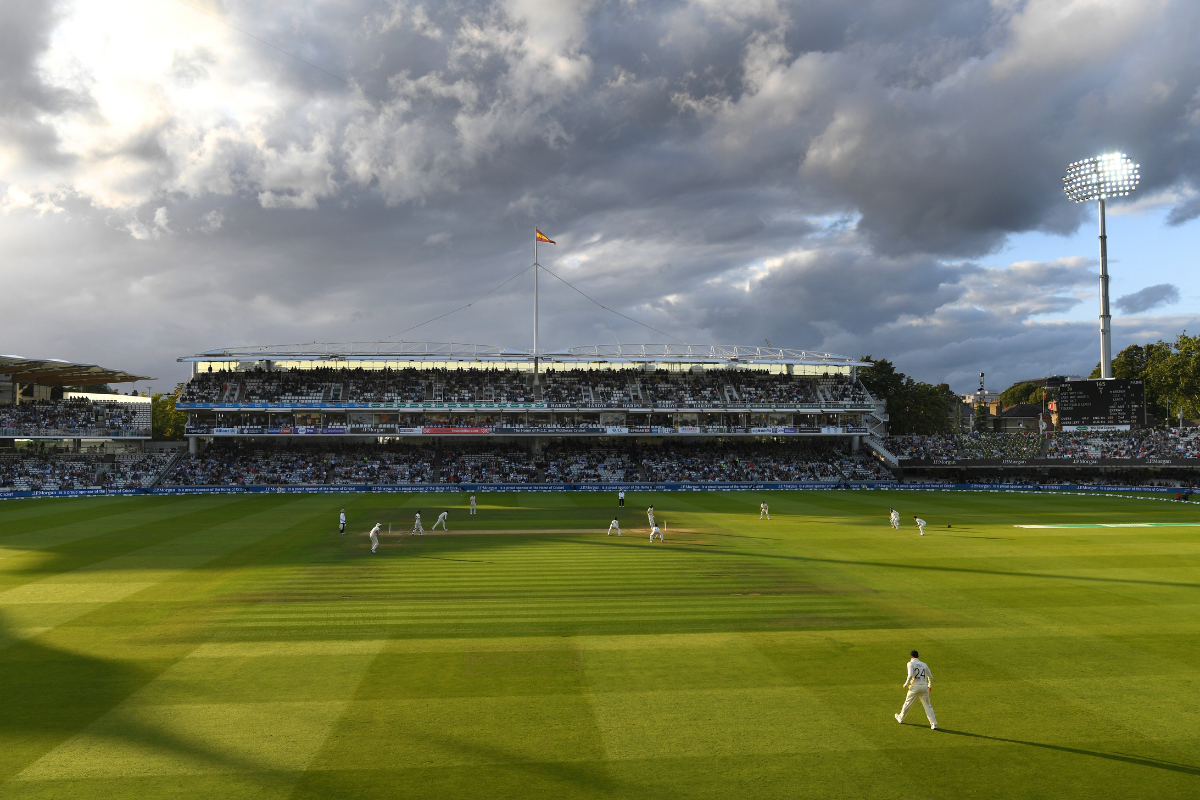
(167, 421)
(1022, 393)
(1149, 363)
(981, 422)
(1173, 374)
(913, 407)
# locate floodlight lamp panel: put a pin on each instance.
(1108, 175)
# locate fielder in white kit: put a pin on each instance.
(472, 504)
(342, 523)
(763, 512)
(918, 684)
(418, 530)
(375, 536)
(654, 531)
(614, 526)
(441, 520)
(921, 525)
(894, 518)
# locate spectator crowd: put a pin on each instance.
(609, 388)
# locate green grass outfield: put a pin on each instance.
(236, 646)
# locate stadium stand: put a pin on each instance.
(610, 388)
(39, 472)
(1173, 443)
(241, 463)
(75, 418)
(944, 447)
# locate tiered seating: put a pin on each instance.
(580, 463)
(942, 447)
(75, 417)
(1171, 443)
(841, 390)
(62, 471)
(1000, 445)
(615, 388)
(228, 463)
(495, 464)
(801, 461)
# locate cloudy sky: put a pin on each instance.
(877, 177)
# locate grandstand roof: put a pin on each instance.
(452, 351)
(56, 372)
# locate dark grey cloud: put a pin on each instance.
(824, 174)
(1151, 297)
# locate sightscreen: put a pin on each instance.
(1118, 401)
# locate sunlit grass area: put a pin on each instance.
(237, 646)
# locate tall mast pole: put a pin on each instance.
(535, 306)
(1105, 317)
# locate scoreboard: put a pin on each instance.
(1091, 403)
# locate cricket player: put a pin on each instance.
(650, 515)
(441, 520)
(418, 530)
(472, 504)
(921, 525)
(342, 523)
(614, 526)
(654, 531)
(919, 683)
(375, 536)
(894, 518)
(621, 499)
(763, 512)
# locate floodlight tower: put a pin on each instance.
(1109, 175)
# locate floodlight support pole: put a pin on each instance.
(1105, 316)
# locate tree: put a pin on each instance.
(881, 378)
(1145, 363)
(1027, 392)
(167, 422)
(1174, 375)
(980, 423)
(913, 407)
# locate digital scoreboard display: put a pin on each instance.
(1119, 401)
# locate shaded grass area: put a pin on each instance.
(239, 647)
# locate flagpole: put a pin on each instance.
(535, 305)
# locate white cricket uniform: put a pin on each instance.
(614, 526)
(375, 537)
(441, 520)
(918, 683)
(472, 504)
(921, 525)
(654, 531)
(650, 515)
(418, 530)
(763, 511)
(895, 518)
(342, 523)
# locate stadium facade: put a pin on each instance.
(415, 390)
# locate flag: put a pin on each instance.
(541, 237)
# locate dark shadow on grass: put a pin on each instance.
(1141, 761)
(52, 695)
(478, 543)
(931, 568)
